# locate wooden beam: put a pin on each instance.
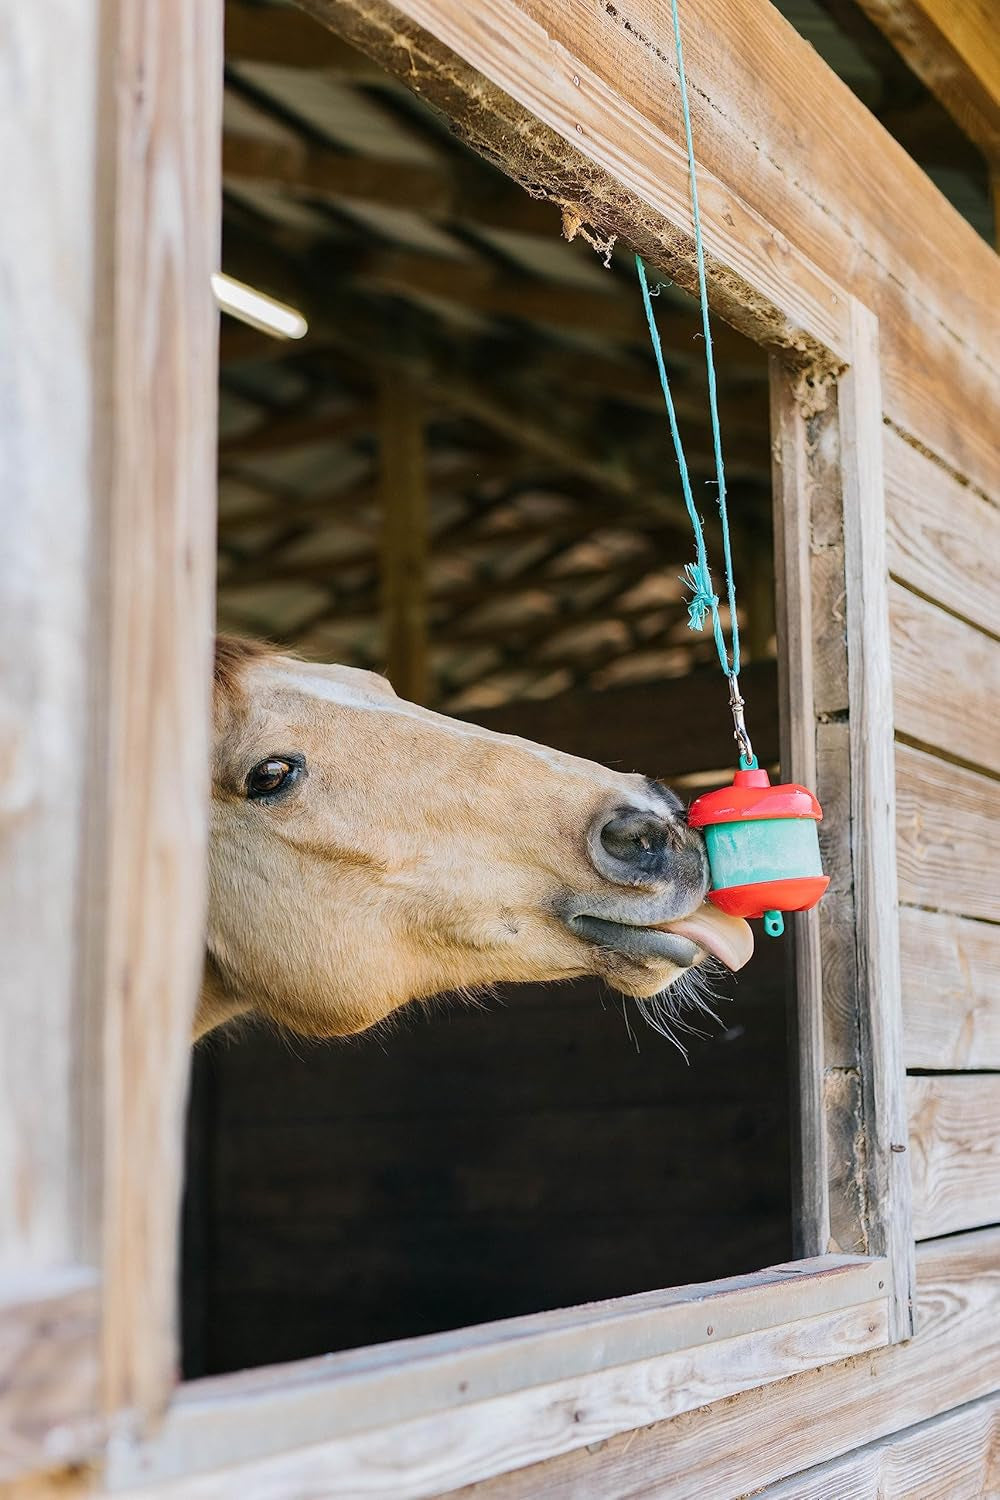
(884, 234)
(285, 37)
(955, 50)
(676, 726)
(300, 428)
(108, 429)
(307, 167)
(614, 314)
(882, 1169)
(456, 189)
(156, 463)
(736, 1447)
(802, 462)
(471, 1402)
(405, 527)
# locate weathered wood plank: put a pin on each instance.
(886, 1195)
(954, 1152)
(951, 991)
(954, 1457)
(793, 462)
(945, 680)
(954, 50)
(155, 463)
(946, 819)
(768, 289)
(469, 1412)
(49, 1327)
(48, 384)
(943, 537)
(583, 103)
(760, 1437)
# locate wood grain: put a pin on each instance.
(156, 464)
(469, 1423)
(739, 1446)
(48, 381)
(953, 50)
(954, 1457)
(951, 991)
(582, 102)
(48, 1370)
(945, 680)
(759, 280)
(794, 461)
(945, 841)
(954, 1152)
(943, 537)
(886, 1192)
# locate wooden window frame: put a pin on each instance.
(433, 1413)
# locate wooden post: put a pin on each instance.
(107, 453)
(403, 491)
(883, 1166)
(159, 226)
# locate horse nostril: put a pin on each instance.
(636, 846)
(636, 837)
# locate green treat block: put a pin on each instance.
(762, 849)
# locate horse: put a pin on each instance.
(366, 852)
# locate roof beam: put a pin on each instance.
(955, 50)
(446, 191)
(291, 39)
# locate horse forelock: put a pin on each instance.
(233, 655)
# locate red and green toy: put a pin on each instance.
(762, 841)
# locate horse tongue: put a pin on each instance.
(727, 938)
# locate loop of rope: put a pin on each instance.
(697, 575)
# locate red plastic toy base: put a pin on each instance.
(798, 894)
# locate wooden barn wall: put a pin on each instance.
(944, 547)
(579, 99)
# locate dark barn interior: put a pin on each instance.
(462, 475)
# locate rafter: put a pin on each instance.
(287, 37)
(298, 429)
(955, 50)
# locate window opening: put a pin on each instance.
(544, 1146)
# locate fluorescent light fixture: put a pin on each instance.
(257, 309)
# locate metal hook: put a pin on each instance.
(740, 733)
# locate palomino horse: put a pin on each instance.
(366, 852)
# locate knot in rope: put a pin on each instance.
(703, 601)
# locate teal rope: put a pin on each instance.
(697, 575)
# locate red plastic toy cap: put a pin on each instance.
(752, 796)
(798, 893)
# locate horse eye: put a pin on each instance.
(270, 776)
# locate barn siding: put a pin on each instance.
(944, 541)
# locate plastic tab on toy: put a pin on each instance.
(763, 847)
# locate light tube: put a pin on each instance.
(257, 309)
